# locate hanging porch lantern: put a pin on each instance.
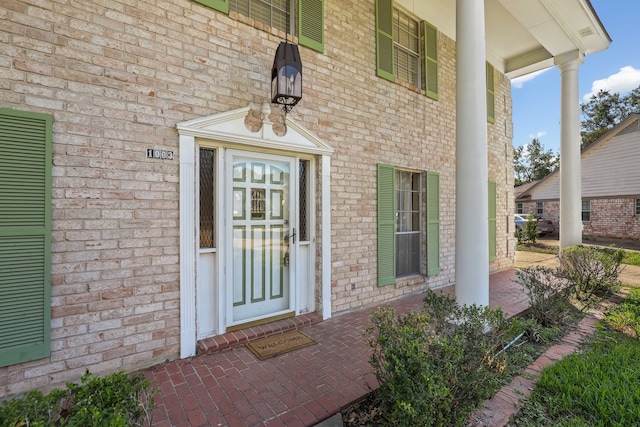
(286, 76)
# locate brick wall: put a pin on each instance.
(610, 217)
(613, 218)
(118, 76)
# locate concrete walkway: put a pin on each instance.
(629, 276)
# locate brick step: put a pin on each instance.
(239, 337)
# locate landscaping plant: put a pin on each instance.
(529, 233)
(434, 366)
(592, 272)
(116, 400)
(547, 292)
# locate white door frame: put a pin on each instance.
(229, 129)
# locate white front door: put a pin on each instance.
(261, 229)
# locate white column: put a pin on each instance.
(326, 236)
(472, 204)
(187, 247)
(570, 175)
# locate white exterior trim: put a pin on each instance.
(229, 128)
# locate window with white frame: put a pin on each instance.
(637, 206)
(408, 188)
(539, 208)
(406, 48)
(406, 41)
(586, 210)
(304, 18)
(519, 208)
(274, 13)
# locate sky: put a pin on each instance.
(536, 97)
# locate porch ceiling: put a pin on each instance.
(524, 36)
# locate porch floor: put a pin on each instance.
(226, 385)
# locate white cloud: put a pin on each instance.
(625, 80)
(537, 135)
(518, 82)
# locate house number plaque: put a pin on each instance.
(159, 154)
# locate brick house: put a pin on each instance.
(610, 186)
(150, 196)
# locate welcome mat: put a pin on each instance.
(279, 344)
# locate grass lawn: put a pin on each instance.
(630, 257)
(597, 386)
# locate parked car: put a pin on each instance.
(520, 220)
(544, 226)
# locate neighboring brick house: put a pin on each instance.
(610, 186)
(149, 199)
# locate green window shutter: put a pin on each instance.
(433, 223)
(493, 254)
(219, 5)
(311, 24)
(491, 96)
(25, 236)
(386, 225)
(431, 60)
(384, 39)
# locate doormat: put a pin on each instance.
(279, 344)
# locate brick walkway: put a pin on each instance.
(229, 386)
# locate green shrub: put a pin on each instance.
(529, 233)
(547, 293)
(436, 365)
(592, 272)
(116, 400)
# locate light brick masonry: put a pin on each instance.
(118, 76)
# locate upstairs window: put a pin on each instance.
(274, 13)
(406, 43)
(302, 17)
(491, 95)
(406, 48)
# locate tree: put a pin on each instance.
(605, 110)
(532, 162)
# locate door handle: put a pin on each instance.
(291, 236)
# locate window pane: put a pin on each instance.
(271, 12)
(407, 254)
(302, 189)
(207, 192)
(586, 210)
(637, 206)
(408, 185)
(406, 33)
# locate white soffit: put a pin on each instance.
(524, 35)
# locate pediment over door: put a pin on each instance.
(231, 127)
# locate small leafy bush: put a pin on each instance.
(116, 400)
(547, 293)
(529, 233)
(434, 366)
(593, 272)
